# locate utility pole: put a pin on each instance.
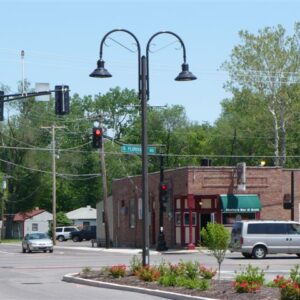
(53, 128)
(104, 192)
(2, 206)
(23, 71)
(2, 215)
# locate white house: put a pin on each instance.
(83, 216)
(31, 221)
(101, 236)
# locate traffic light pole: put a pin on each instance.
(161, 242)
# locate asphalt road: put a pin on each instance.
(37, 276)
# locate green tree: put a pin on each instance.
(216, 239)
(267, 65)
(62, 219)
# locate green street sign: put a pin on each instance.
(137, 149)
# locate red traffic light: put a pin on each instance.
(164, 187)
(98, 132)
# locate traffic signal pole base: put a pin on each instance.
(161, 243)
(191, 246)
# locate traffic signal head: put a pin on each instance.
(163, 192)
(97, 137)
(62, 100)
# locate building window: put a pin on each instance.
(140, 209)
(132, 213)
(186, 220)
(86, 224)
(229, 219)
(178, 219)
(205, 203)
(35, 227)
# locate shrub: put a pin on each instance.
(148, 273)
(177, 269)
(168, 279)
(86, 270)
(164, 268)
(192, 283)
(250, 280)
(278, 281)
(118, 271)
(207, 273)
(135, 264)
(191, 269)
(290, 288)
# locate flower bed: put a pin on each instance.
(189, 278)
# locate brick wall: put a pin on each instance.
(270, 183)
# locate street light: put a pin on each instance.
(143, 86)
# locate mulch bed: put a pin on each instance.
(222, 289)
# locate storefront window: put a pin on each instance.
(178, 219)
(187, 219)
(229, 219)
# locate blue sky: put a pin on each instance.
(61, 43)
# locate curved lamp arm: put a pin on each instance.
(167, 32)
(116, 30)
(185, 75)
(101, 61)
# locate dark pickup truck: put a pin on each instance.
(88, 233)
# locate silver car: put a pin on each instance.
(38, 241)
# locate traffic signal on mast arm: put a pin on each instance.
(62, 100)
(97, 137)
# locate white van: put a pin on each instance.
(259, 238)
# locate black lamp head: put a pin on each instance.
(100, 71)
(185, 74)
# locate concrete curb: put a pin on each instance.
(168, 295)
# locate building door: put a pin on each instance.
(204, 218)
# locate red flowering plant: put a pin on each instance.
(207, 273)
(249, 280)
(148, 273)
(118, 271)
(279, 281)
(290, 288)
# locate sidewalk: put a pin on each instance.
(128, 250)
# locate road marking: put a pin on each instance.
(4, 252)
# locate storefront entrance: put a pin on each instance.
(204, 209)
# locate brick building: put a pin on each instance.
(198, 195)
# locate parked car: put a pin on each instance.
(38, 241)
(259, 238)
(88, 233)
(63, 233)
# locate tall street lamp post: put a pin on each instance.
(143, 86)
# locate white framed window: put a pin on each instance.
(35, 227)
(186, 219)
(132, 213)
(178, 219)
(140, 209)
